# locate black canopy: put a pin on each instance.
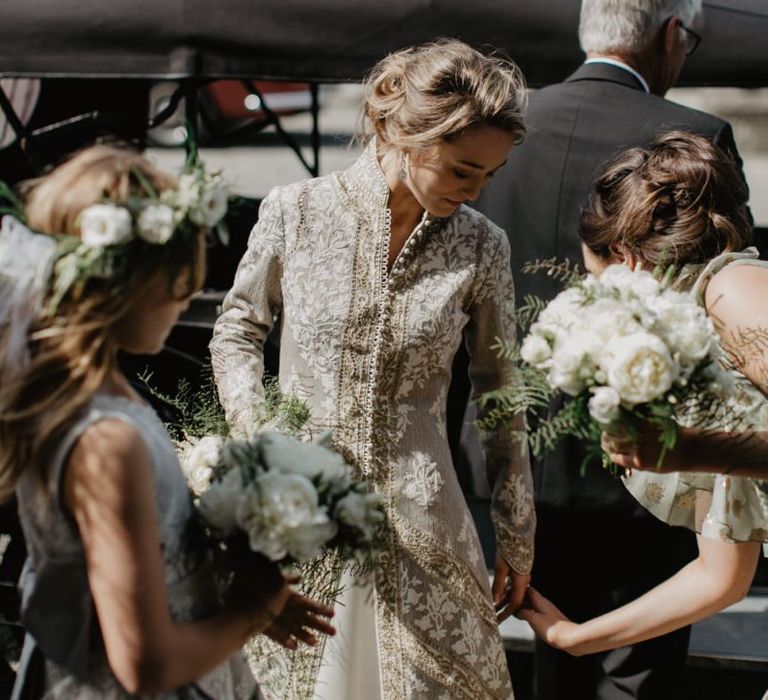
(332, 40)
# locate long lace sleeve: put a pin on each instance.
(506, 458)
(249, 309)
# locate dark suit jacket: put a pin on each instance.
(573, 128)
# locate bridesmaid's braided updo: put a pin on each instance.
(679, 200)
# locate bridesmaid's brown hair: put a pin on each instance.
(679, 200)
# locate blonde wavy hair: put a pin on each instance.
(72, 351)
(420, 96)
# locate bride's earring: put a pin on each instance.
(403, 167)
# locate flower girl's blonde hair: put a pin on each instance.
(72, 351)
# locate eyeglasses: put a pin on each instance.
(693, 39)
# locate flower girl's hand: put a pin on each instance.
(300, 616)
(547, 621)
(508, 588)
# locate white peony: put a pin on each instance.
(608, 317)
(575, 361)
(629, 282)
(604, 405)
(104, 225)
(290, 456)
(198, 462)
(221, 501)
(683, 324)
(361, 511)
(210, 209)
(282, 516)
(560, 314)
(639, 367)
(156, 224)
(535, 350)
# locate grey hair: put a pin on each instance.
(626, 26)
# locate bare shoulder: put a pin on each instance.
(738, 295)
(109, 455)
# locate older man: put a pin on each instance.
(597, 549)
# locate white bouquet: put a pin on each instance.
(622, 348)
(280, 497)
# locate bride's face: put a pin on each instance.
(443, 177)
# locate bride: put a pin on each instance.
(379, 273)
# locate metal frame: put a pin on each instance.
(188, 91)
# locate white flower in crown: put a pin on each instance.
(188, 191)
(604, 404)
(639, 367)
(103, 225)
(156, 224)
(210, 209)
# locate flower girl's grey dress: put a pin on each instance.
(57, 609)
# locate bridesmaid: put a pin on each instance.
(681, 201)
(379, 273)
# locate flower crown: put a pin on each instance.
(115, 238)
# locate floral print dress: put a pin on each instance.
(718, 506)
(370, 351)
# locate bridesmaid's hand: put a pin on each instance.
(549, 624)
(508, 588)
(643, 451)
(300, 616)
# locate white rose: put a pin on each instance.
(291, 456)
(361, 511)
(604, 405)
(210, 209)
(105, 224)
(156, 224)
(220, 502)
(535, 350)
(282, 516)
(639, 367)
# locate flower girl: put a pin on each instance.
(118, 596)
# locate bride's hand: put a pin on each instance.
(549, 624)
(300, 620)
(508, 588)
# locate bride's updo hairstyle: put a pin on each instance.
(677, 201)
(420, 96)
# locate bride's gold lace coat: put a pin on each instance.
(370, 350)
